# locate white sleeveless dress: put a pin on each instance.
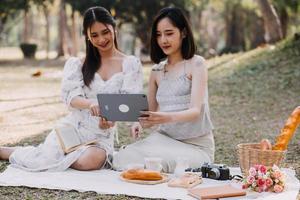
(190, 140)
(49, 155)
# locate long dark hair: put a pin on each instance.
(92, 60)
(179, 20)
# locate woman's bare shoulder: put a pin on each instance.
(197, 61)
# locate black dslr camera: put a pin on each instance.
(215, 171)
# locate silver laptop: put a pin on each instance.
(122, 107)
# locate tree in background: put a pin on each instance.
(234, 27)
(231, 25)
(284, 9)
(11, 8)
(136, 12)
(63, 47)
(271, 21)
(79, 6)
(141, 14)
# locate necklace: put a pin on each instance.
(165, 70)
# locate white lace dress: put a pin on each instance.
(49, 155)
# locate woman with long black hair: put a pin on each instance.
(105, 69)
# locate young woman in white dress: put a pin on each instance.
(104, 70)
(178, 100)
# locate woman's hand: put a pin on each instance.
(136, 130)
(94, 109)
(104, 124)
(153, 118)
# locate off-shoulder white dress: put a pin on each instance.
(49, 155)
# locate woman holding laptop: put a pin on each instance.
(178, 100)
(105, 69)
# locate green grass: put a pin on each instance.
(251, 95)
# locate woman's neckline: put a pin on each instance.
(177, 63)
(117, 73)
(110, 78)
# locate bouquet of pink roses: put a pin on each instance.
(261, 179)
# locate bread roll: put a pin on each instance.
(265, 144)
(142, 174)
(288, 130)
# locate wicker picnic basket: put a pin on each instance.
(250, 154)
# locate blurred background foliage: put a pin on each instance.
(220, 26)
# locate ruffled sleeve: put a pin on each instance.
(133, 78)
(72, 82)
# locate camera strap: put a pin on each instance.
(236, 177)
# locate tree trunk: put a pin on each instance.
(46, 13)
(74, 35)
(62, 45)
(284, 20)
(235, 37)
(25, 38)
(271, 21)
(144, 37)
(2, 22)
(257, 33)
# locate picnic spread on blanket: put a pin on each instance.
(259, 164)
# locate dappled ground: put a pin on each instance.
(251, 96)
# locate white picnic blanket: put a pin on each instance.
(108, 182)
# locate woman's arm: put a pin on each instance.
(81, 103)
(152, 89)
(153, 105)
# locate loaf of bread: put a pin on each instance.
(288, 130)
(142, 174)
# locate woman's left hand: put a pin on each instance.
(155, 117)
(104, 124)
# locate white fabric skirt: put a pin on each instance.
(195, 151)
(49, 155)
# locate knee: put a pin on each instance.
(93, 160)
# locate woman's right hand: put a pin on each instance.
(136, 130)
(94, 109)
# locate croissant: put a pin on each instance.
(142, 174)
(288, 130)
(186, 181)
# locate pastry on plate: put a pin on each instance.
(142, 174)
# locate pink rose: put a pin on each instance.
(256, 167)
(252, 171)
(278, 188)
(262, 169)
(269, 182)
(260, 182)
(250, 179)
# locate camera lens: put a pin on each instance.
(214, 173)
(196, 170)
